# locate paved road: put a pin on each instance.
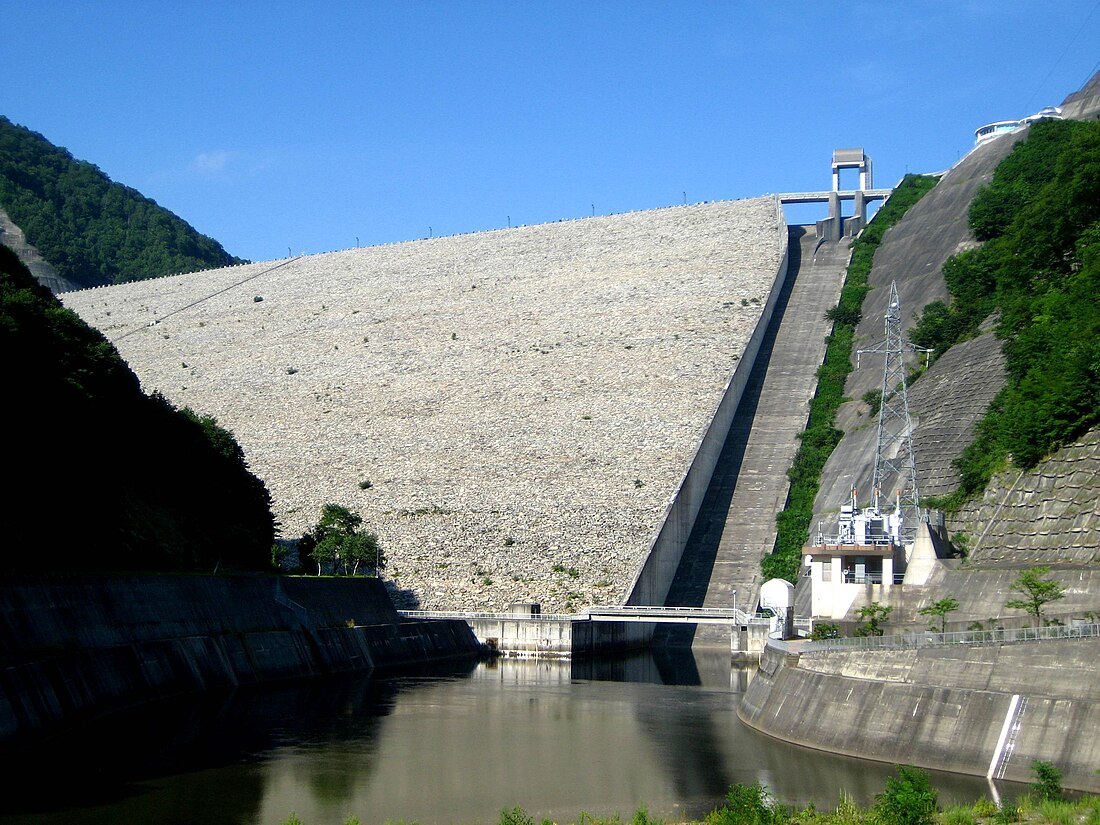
(736, 525)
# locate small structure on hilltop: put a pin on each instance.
(986, 133)
(871, 547)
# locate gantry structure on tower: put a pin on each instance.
(894, 458)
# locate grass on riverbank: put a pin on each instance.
(901, 805)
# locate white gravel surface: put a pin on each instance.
(523, 402)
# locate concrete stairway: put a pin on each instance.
(735, 528)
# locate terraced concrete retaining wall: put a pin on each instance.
(1047, 515)
(939, 708)
(77, 646)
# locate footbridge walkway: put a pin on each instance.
(610, 613)
(824, 197)
(524, 632)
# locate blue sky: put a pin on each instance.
(308, 125)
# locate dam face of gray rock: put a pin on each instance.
(512, 411)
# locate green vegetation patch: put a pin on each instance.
(909, 798)
(92, 230)
(102, 476)
(821, 436)
(1039, 271)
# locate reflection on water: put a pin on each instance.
(554, 737)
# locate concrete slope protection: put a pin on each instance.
(981, 711)
(1050, 515)
(912, 255)
(986, 710)
(79, 646)
(13, 237)
(735, 528)
(946, 402)
(512, 411)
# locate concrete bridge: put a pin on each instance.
(835, 226)
(866, 195)
(525, 632)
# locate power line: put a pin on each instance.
(1039, 88)
(204, 298)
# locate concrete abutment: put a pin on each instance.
(80, 646)
(882, 705)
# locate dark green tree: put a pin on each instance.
(939, 610)
(746, 805)
(92, 230)
(873, 616)
(1039, 273)
(337, 543)
(1037, 592)
(825, 630)
(1048, 780)
(141, 485)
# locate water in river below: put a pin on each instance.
(459, 747)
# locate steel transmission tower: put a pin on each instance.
(894, 450)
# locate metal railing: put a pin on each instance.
(823, 196)
(912, 641)
(493, 616)
(836, 540)
(733, 616)
(869, 578)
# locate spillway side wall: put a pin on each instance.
(654, 577)
(74, 647)
(924, 724)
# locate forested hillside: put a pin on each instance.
(1038, 272)
(101, 476)
(92, 230)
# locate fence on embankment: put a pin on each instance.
(996, 636)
